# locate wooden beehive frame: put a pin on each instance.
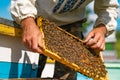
(54, 55)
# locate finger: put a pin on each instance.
(91, 42)
(99, 46)
(34, 46)
(40, 45)
(27, 44)
(102, 47)
(40, 41)
(90, 35)
(100, 42)
(94, 40)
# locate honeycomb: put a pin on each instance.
(70, 51)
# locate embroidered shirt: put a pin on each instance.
(66, 11)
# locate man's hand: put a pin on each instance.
(32, 37)
(96, 38)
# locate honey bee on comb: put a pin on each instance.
(70, 51)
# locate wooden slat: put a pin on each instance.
(9, 27)
(9, 30)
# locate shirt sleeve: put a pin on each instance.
(107, 11)
(21, 9)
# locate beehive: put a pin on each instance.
(70, 51)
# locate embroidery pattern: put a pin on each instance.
(69, 5)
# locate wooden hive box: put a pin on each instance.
(64, 48)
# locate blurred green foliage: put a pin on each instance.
(117, 45)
